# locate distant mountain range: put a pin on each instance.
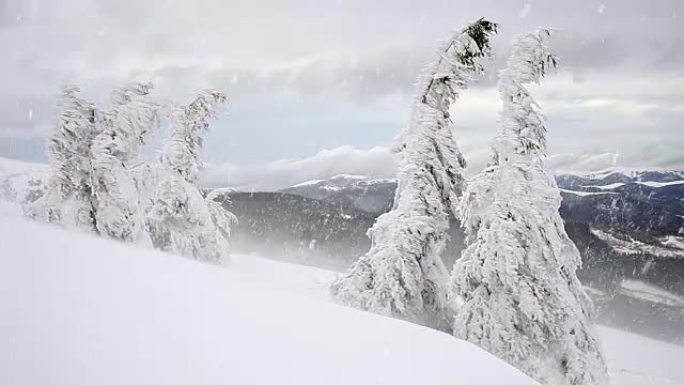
(623, 222)
(628, 226)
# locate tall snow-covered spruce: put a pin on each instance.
(125, 125)
(68, 200)
(515, 289)
(402, 275)
(180, 219)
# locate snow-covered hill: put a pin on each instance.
(82, 310)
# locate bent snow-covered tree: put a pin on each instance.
(68, 200)
(180, 219)
(131, 117)
(402, 275)
(515, 289)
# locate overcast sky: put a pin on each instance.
(307, 76)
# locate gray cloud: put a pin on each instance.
(309, 75)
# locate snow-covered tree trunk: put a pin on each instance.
(180, 219)
(402, 275)
(68, 200)
(515, 289)
(125, 126)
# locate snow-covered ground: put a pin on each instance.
(585, 193)
(631, 246)
(81, 310)
(636, 360)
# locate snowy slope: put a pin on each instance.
(81, 310)
(636, 360)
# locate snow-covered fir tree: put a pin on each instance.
(402, 275)
(68, 200)
(180, 219)
(132, 116)
(515, 288)
(182, 150)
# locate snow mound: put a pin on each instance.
(82, 310)
(636, 360)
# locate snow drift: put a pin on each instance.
(81, 310)
(76, 309)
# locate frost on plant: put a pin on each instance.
(96, 184)
(515, 290)
(180, 219)
(125, 125)
(181, 150)
(68, 199)
(402, 275)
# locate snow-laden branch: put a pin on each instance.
(125, 126)
(68, 200)
(521, 117)
(180, 220)
(181, 150)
